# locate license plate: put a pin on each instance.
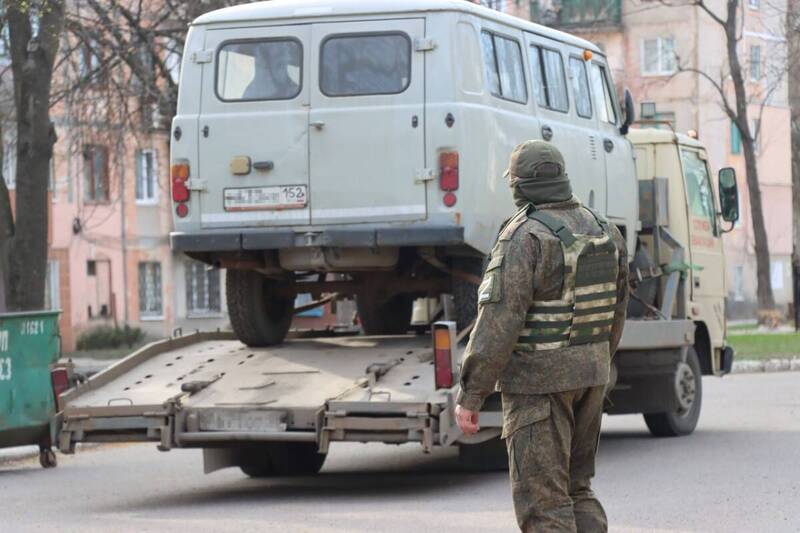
(259, 198)
(234, 420)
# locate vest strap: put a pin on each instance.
(558, 228)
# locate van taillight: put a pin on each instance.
(448, 171)
(180, 175)
(444, 334)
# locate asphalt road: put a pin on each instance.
(740, 471)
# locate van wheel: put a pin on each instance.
(260, 314)
(281, 459)
(384, 317)
(688, 392)
(488, 456)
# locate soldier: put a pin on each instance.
(551, 311)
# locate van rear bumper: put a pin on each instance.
(275, 239)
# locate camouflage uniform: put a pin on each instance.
(552, 389)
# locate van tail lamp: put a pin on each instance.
(59, 378)
(448, 171)
(444, 342)
(180, 177)
(182, 210)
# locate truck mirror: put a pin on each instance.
(630, 113)
(728, 194)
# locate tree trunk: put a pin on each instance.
(32, 59)
(766, 300)
(793, 78)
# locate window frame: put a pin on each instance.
(751, 64)
(659, 53)
(714, 208)
(257, 40)
(607, 92)
(345, 35)
(540, 62)
(145, 315)
(516, 41)
(188, 274)
(93, 199)
(151, 200)
(588, 88)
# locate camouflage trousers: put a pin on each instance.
(552, 442)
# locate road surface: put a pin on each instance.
(739, 472)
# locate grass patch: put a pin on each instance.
(765, 345)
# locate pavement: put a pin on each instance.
(739, 472)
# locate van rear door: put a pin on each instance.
(253, 141)
(367, 122)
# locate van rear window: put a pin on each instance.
(364, 64)
(259, 70)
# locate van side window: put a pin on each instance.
(698, 189)
(503, 60)
(580, 87)
(259, 70)
(549, 82)
(364, 64)
(602, 94)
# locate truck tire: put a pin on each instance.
(281, 459)
(384, 317)
(260, 314)
(689, 396)
(487, 456)
(465, 293)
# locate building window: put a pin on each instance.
(502, 58)
(95, 173)
(736, 139)
(776, 275)
(658, 56)
(549, 82)
(52, 286)
(10, 163)
(150, 304)
(754, 4)
(755, 131)
(755, 62)
(90, 61)
(202, 289)
(738, 283)
(146, 177)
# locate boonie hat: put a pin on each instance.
(536, 159)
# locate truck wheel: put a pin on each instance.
(488, 456)
(281, 459)
(260, 314)
(465, 293)
(384, 317)
(689, 395)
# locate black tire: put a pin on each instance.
(465, 293)
(384, 317)
(281, 459)
(487, 456)
(260, 314)
(683, 420)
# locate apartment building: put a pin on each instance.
(668, 56)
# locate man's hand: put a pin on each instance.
(467, 420)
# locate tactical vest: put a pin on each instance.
(585, 311)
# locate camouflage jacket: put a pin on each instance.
(532, 268)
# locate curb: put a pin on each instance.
(769, 365)
(18, 453)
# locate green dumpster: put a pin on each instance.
(29, 345)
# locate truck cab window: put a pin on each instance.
(259, 70)
(698, 188)
(549, 81)
(358, 65)
(601, 87)
(502, 58)
(580, 87)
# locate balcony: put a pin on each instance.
(577, 14)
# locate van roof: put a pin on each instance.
(293, 9)
(655, 135)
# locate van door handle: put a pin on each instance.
(608, 144)
(318, 124)
(547, 133)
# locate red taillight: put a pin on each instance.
(448, 171)
(443, 341)
(59, 377)
(180, 175)
(182, 210)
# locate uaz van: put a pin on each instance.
(359, 147)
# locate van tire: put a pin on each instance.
(260, 314)
(281, 459)
(384, 317)
(683, 420)
(487, 456)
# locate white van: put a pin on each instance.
(369, 138)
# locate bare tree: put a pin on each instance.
(793, 40)
(34, 31)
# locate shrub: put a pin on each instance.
(105, 337)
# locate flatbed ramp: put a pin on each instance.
(208, 389)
